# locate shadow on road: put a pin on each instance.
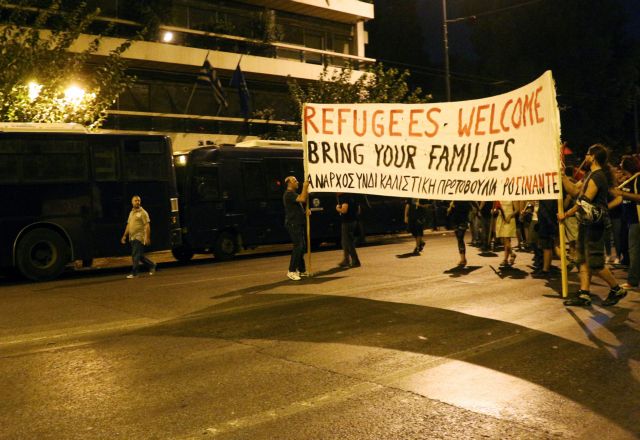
(458, 271)
(509, 272)
(590, 376)
(408, 255)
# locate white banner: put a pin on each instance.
(501, 148)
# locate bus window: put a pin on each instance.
(254, 183)
(9, 161)
(105, 162)
(206, 184)
(51, 160)
(144, 160)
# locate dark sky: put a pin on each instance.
(430, 13)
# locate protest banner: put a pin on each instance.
(504, 147)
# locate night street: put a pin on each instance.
(402, 348)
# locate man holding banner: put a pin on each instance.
(295, 221)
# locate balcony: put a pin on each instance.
(344, 11)
(190, 47)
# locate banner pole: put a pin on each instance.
(306, 205)
(623, 184)
(561, 225)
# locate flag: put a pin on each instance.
(208, 75)
(237, 80)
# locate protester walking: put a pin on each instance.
(347, 207)
(138, 231)
(631, 215)
(506, 229)
(414, 218)
(458, 213)
(486, 219)
(294, 220)
(591, 209)
(548, 235)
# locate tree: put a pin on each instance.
(376, 85)
(37, 67)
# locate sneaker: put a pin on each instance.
(343, 264)
(421, 247)
(304, 274)
(293, 276)
(614, 296)
(131, 276)
(153, 269)
(580, 298)
(355, 264)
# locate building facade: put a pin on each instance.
(271, 41)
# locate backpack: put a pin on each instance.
(588, 213)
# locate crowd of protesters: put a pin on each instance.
(601, 212)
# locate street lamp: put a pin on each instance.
(34, 90)
(74, 95)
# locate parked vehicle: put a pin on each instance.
(66, 195)
(231, 198)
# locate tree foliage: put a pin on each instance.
(378, 84)
(36, 66)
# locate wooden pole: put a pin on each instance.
(306, 173)
(561, 231)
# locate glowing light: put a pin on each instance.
(34, 90)
(74, 95)
(167, 37)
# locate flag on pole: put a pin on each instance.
(237, 80)
(208, 75)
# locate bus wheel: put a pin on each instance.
(42, 255)
(183, 254)
(225, 246)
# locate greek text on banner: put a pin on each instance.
(501, 148)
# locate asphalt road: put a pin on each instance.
(405, 347)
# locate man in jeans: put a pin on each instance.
(138, 231)
(295, 221)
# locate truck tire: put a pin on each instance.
(42, 254)
(183, 254)
(226, 246)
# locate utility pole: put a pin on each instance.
(445, 39)
(635, 119)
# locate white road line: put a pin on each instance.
(75, 332)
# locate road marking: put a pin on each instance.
(208, 280)
(76, 332)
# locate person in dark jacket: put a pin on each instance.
(347, 207)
